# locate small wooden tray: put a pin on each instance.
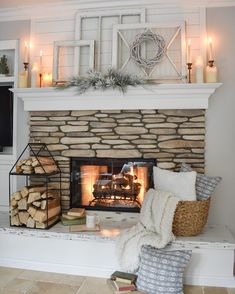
(83, 228)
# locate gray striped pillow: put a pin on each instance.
(205, 185)
(161, 271)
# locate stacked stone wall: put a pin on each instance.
(170, 136)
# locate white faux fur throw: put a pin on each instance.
(154, 228)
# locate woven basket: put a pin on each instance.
(190, 217)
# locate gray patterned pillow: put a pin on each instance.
(161, 271)
(205, 185)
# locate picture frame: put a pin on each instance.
(72, 44)
(180, 71)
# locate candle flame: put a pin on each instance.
(210, 40)
(40, 52)
(26, 43)
(189, 42)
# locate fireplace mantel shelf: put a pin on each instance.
(159, 96)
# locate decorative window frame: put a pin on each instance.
(180, 75)
(100, 14)
(75, 44)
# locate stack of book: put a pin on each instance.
(121, 282)
(75, 216)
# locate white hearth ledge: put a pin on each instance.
(159, 96)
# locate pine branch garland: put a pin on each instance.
(112, 79)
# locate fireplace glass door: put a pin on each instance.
(110, 184)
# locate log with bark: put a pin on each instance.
(34, 207)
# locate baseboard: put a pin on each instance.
(211, 281)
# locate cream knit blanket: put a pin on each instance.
(154, 228)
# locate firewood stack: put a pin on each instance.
(35, 207)
(36, 165)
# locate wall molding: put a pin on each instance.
(70, 7)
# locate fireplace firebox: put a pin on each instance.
(116, 184)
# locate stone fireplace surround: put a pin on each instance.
(166, 122)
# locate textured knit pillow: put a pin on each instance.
(181, 185)
(205, 185)
(162, 271)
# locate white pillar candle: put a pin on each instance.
(199, 71)
(210, 53)
(47, 80)
(26, 56)
(189, 59)
(40, 62)
(211, 74)
(23, 79)
(34, 76)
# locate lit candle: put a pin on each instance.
(47, 79)
(40, 62)
(189, 59)
(199, 71)
(34, 75)
(210, 49)
(26, 57)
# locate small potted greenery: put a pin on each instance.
(4, 69)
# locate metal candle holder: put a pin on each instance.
(189, 64)
(40, 80)
(26, 66)
(211, 63)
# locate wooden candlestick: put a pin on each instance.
(189, 64)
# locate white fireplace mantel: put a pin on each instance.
(159, 96)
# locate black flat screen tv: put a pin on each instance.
(6, 117)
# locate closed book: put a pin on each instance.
(76, 211)
(71, 222)
(123, 277)
(124, 286)
(112, 286)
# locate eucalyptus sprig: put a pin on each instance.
(112, 79)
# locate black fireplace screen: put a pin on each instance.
(110, 184)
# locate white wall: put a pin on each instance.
(220, 138)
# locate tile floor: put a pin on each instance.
(18, 281)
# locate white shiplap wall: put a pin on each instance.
(45, 31)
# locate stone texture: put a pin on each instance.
(83, 113)
(124, 146)
(67, 129)
(114, 142)
(167, 135)
(164, 125)
(119, 153)
(182, 112)
(43, 129)
(61, 118)
(80, 146)
(79, 153)
(166, 165)
(191, 131)
(78, 123)
(162, 131)
(102, 125)
(55, 147)
(130, 130)
(69, 140)
(180, 144)
(100, 146)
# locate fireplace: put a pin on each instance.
(110, 183)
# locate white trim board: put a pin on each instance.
(160, 96)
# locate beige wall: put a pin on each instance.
(220, 139)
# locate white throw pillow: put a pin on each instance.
(181, 185)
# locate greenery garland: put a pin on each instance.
(112, 79)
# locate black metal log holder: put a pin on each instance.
(35, 149)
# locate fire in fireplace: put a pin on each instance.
(110, 184)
